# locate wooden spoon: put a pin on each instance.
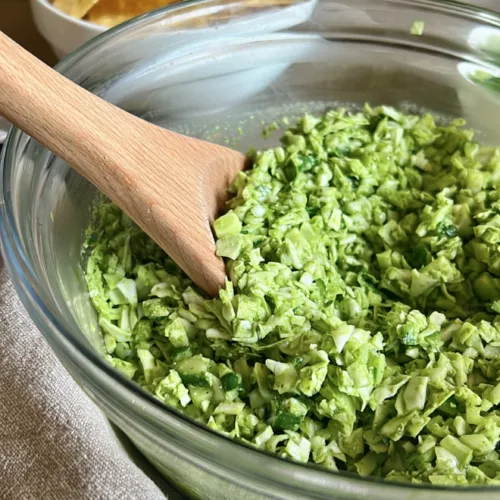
(171, 185)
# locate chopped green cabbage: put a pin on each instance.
(417, 28)
(359, 328)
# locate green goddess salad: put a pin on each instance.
(359, 328)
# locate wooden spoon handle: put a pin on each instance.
(77, 126)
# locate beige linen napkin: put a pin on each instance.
(54, 443)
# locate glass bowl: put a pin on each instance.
(209, 69)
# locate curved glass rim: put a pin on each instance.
(26, 277)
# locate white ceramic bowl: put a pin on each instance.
(64, 33)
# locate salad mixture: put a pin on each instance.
(359, 328)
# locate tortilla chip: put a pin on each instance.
(109, 13)
(74, 8)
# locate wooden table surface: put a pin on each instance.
(16, 22)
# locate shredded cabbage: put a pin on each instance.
(359, 327)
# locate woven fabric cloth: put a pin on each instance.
(54, 443)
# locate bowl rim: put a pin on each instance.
(25, 279)
(73, 20)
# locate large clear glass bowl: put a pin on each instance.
(209, 68)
